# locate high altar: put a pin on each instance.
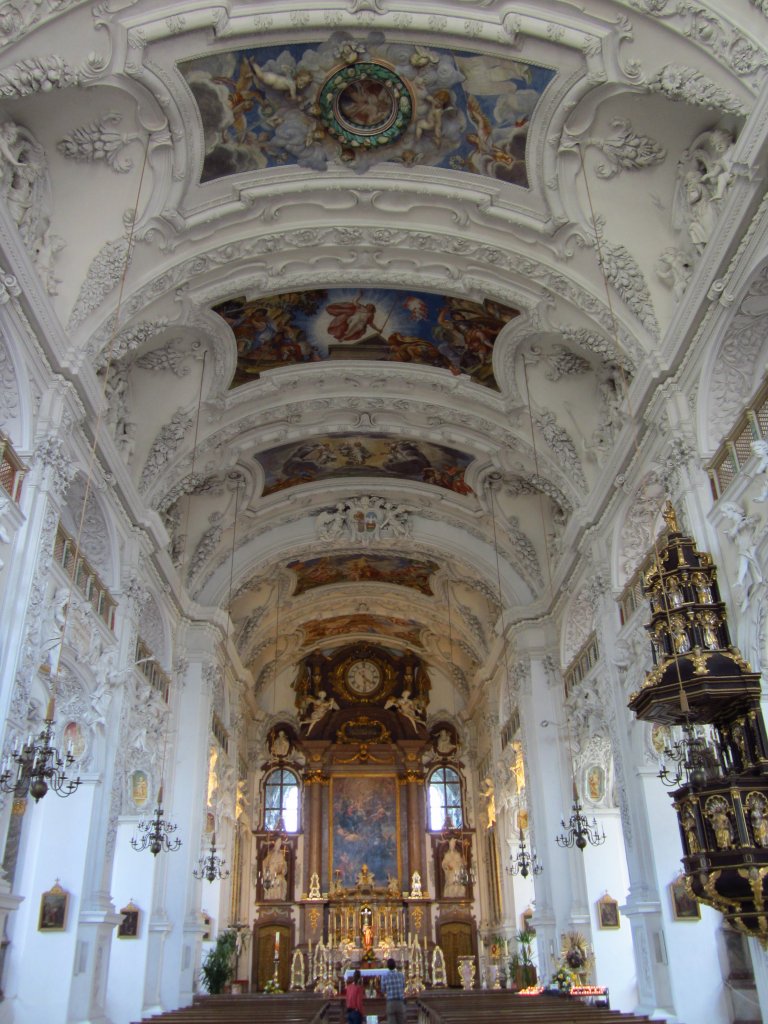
(367, 870)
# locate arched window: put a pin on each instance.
(281, 800)
(444, 789)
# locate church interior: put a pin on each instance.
(383, 500)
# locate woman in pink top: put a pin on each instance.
(354, 996)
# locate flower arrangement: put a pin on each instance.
(272, 987)
(564, 979)
(368, 957)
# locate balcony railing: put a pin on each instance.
(221, 734)
(583, 661)
(736, 450)
(147, 665)
(12, 469)
(85, 578)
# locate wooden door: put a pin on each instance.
(455, 941)
(264, 956)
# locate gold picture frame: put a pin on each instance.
(685, 907)
(129, 926)
(53, 909)
(608, 915)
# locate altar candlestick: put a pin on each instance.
(277, 945)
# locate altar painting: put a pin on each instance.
(365, 826)
(408, 631)
(393, 569)
(348, 455)
(382, 325)
(359, 102)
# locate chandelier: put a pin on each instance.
(211, 865)
(155, 832)
(700, 679)
(524, 863)
(36, 766)
(579, 831)
(686, 761)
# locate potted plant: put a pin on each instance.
(525, 973)
(219, 963)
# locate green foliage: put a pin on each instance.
(219, 963)
(524, 940)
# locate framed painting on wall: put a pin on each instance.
(129, 926)
(684, 906)
(53, 909)
(608, 912)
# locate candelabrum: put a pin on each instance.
(579, 831)
(523, 862)
(211, 865)
(156, 832)
(36, 766)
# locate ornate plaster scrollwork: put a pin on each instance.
(103, 276)
(678, 82)
(99, 141)
(165, 444)
(622, 271)
(36, 74)
(626, 150)
(364, 520)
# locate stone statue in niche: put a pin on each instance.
(452, 865)
(281, 745)
(444, 743)
(275, 871)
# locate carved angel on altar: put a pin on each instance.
(407, 707)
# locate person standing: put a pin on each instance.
(393, 986)
(354, 999)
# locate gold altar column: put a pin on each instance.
(313, 782)
(414, 786)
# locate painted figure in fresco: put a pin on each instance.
(452, 865)
(350, 320)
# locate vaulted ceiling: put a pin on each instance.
(378, 291)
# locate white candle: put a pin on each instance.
(277, 945)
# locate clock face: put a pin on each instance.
(363, 677)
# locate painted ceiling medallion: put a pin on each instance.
(366, 104)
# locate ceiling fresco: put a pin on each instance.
(405, 630)
(395, 570)
(363, 455)
(358, 102)
(380, 325)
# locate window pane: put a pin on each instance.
(436, 808)
(291, 809)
